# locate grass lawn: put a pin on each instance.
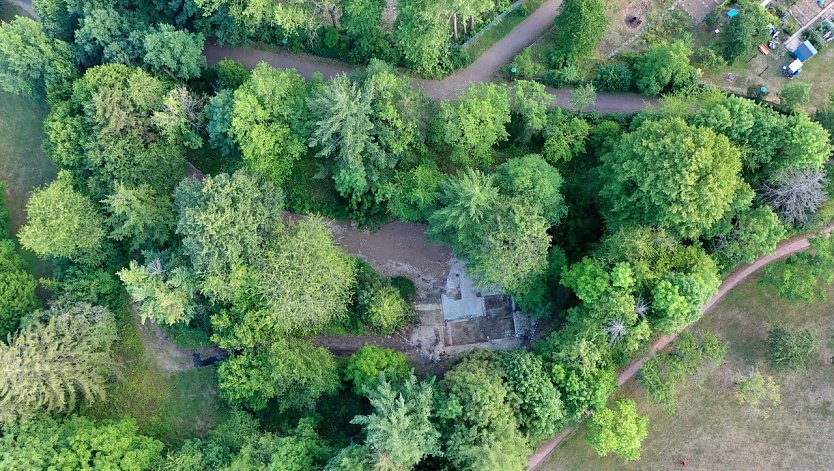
(23, 165)
(710, 430)
(489, 38)
(171, 407)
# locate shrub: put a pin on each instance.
(792, 349)
(369, 362)
(619, 431)
(526, 67)
(615, 77)
(758, 392)
(381, 304)
(709, 58)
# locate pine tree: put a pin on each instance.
(60, 357)
(399, 432)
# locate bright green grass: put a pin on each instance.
(171, 407)
(710, 430)
(513, 19)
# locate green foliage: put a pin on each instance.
(479, 429)
(708, 58)
(422, 32)
(535, 400)
(369, 362)
(266, 121)
(579, 27)
(399, 432)
(166, 296)
(229, 75)
(58, 358)
(140, 216)
(760, 393)
(746, 30)
(83, 283)
(362, 21)
(535, 184)
(342, 130)
(614, 77)
(351, 458)
(825, 117)
(218, 112)
(300, 282)
(772, 142)
(77, 443)
(63, 223)
(582, 97)
(292, 374)
(664, 374)
(526, 67)
(413, 194)
(665, 67)
(110, 34)
(30, 61)
(224, 221)
(474, 123)
(17, 289)
(803, 277)
(671, 175)
(792, 349)
(301, 450)
(106, 133)
(620, 431)
(178, 53)
(794, 95)
(755, 233)
(379, 303)
(529, 102)
(565, 137)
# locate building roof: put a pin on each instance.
(805, 51)
(795, 66)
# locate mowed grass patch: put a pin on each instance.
(171, 407)
(23, 164)
(710, 430)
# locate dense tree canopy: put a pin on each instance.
(224, 221)
(474, 123)
(17, 288)
(665, 67)
(579, 26)
(178, 53)
(57, 360)
(78, 443)
(266, 121)
(63, 223)
(31, 61)
(672, 175)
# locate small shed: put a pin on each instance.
(805, 51)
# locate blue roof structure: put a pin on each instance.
(805, 51)
(732, 13)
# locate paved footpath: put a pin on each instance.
(481, 70)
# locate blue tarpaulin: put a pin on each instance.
(732, 13)
(805, 51)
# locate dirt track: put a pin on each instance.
(785, 249)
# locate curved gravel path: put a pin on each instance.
(735, 278)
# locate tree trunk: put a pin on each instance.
(333, 17)
(472, 23)
(455, 24)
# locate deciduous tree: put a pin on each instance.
(178, 53)
(474, 123)
(31, 61)
(620, 430)
(671, 175)
(63, 223)
(17, 289)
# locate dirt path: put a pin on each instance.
(738, 276)
(168, 356)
